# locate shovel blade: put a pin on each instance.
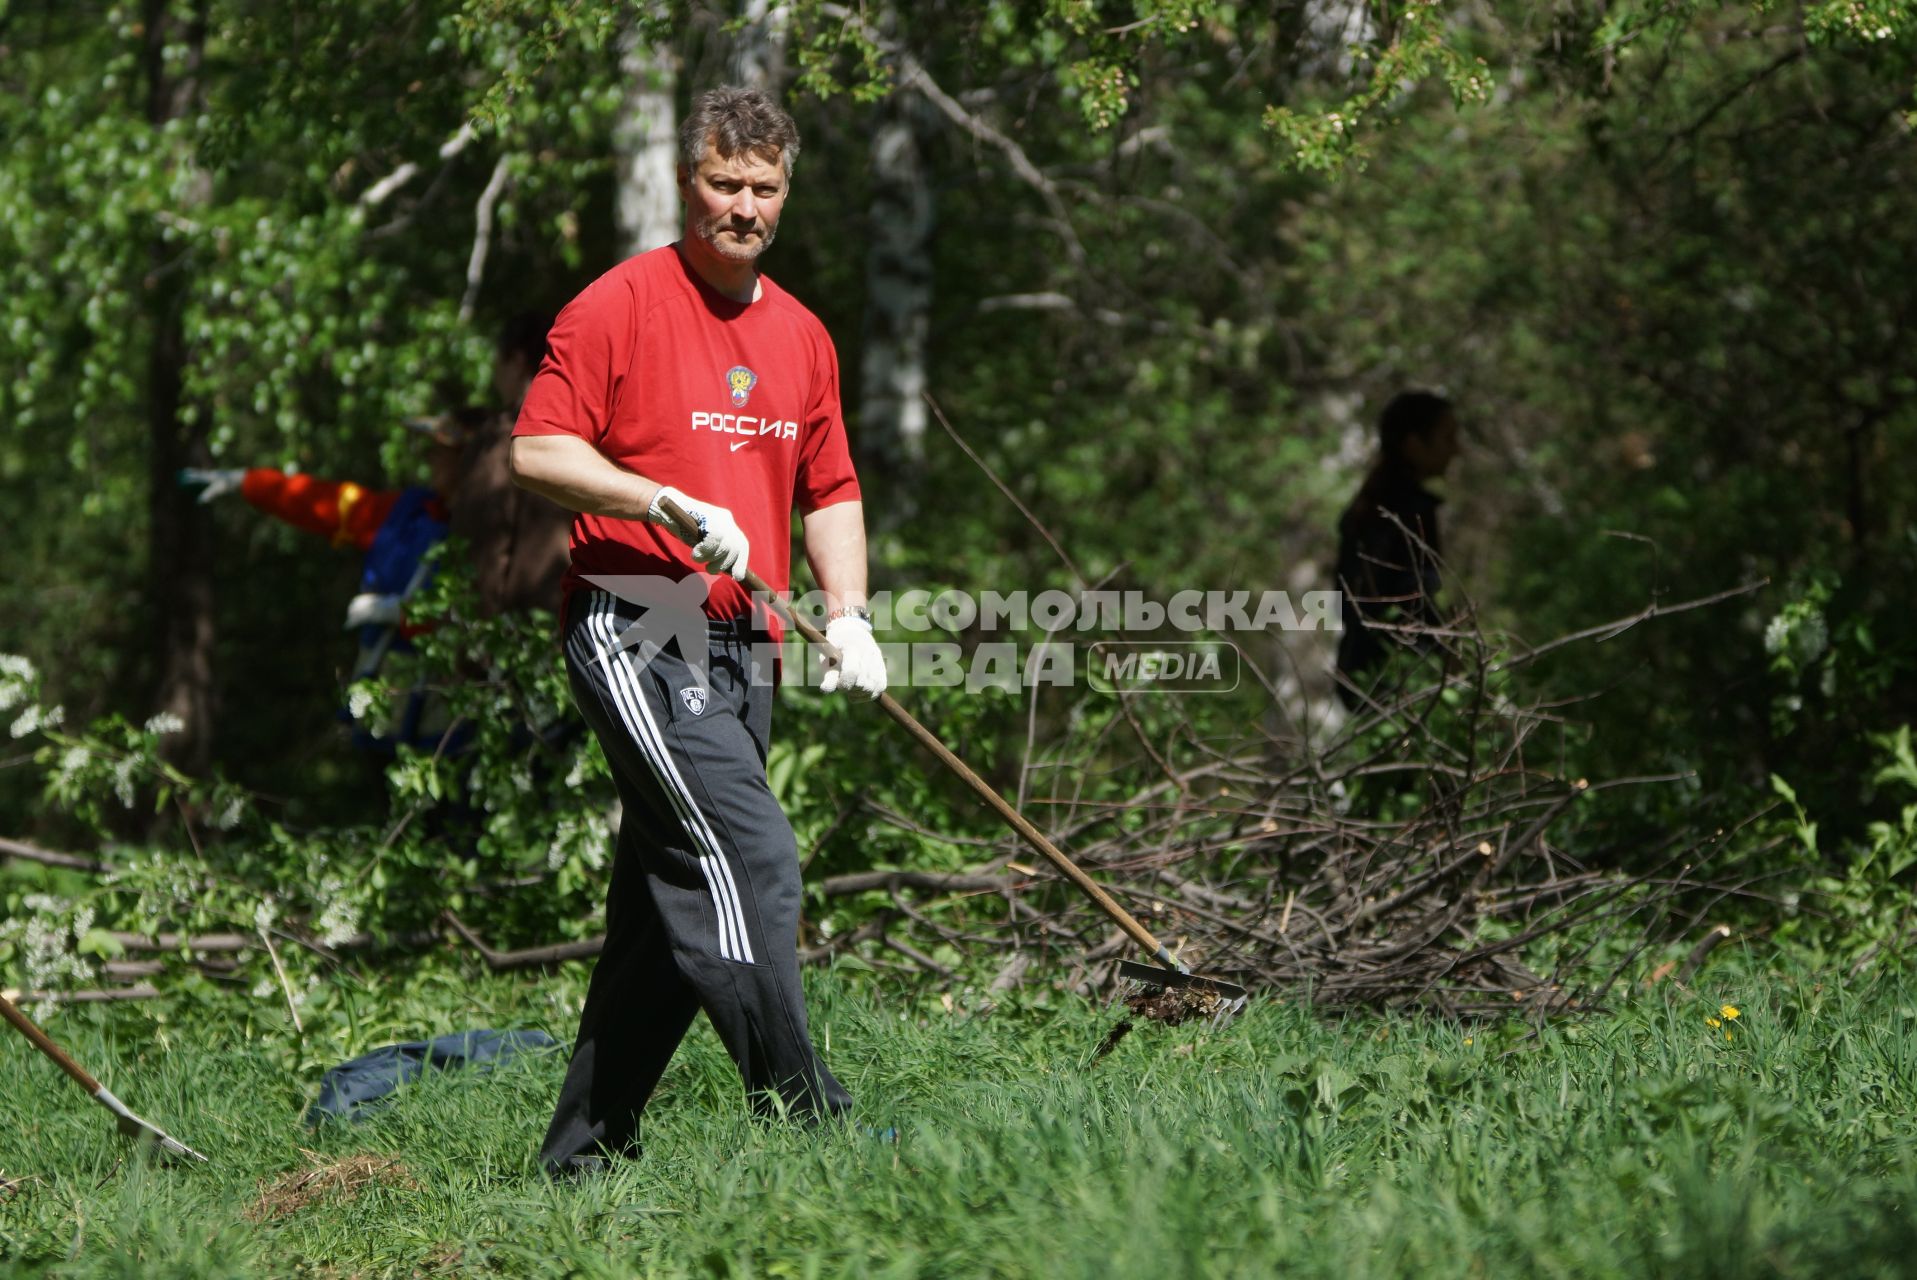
(1227, 999)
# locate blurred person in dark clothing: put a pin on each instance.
(1388, 539)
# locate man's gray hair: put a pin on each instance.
(738, 121)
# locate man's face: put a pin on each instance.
(733, 204)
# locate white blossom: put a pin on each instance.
(1803, 632)
(17, 678)
(46, 954)
(163, 723)
(123, 779)
(72, 760)
(339, 919)
(1776, 634)
(230, 813)
(337, 923)
(26, 722)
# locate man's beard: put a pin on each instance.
(711, 231)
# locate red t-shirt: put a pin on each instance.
(735, 404)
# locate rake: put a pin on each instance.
(1166, 990)
(130, 1125)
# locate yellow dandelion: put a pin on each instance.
(1712, 1022)
(1730, 1012)
(1727, 1036)
(1467, 1039)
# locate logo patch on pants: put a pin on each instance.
(695, 699)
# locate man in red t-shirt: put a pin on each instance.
(683, 373)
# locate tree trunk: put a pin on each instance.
(645, 146)
(1332, 28)
(898, 274)
(179, 543)
(758, 48)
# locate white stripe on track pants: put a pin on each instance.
(703, 908)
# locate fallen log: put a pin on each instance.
(141, 991)
(204, 943)
(127, 970)
(12, 848)
(530, 957)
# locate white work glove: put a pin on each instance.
(368, 609)
(211, 484)
(722, 544)
(860, 669)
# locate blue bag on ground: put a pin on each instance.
(372, 1076)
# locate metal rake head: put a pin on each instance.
(132, 1126)
(1172, 996)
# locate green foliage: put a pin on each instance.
(512, 826)
(1423, 43)
(1609, 269)
(1858, 901)
(511, 830)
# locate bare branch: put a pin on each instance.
(531, 957)
(377, 193)
(141, 991)
(933, 881)
(10, 848)
(482, 238)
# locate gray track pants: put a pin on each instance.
(703, 909)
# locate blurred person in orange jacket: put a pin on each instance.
(395, 528)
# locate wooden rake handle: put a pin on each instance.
(687, 529)
(25, 1027)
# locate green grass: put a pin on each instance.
(1634, 1143)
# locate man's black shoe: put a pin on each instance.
(577, 1168)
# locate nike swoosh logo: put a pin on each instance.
(739, 444)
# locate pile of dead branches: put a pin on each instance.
(1412, 851)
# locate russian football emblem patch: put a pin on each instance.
(740, 381)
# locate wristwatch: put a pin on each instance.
(858, 611)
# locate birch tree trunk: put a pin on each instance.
(645, 146)
(1332, 27)
(179, 542)
(758, 48)
(898, 274)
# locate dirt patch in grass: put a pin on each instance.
(338, 1180)
(1169, 1005)
(1173, 1005)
